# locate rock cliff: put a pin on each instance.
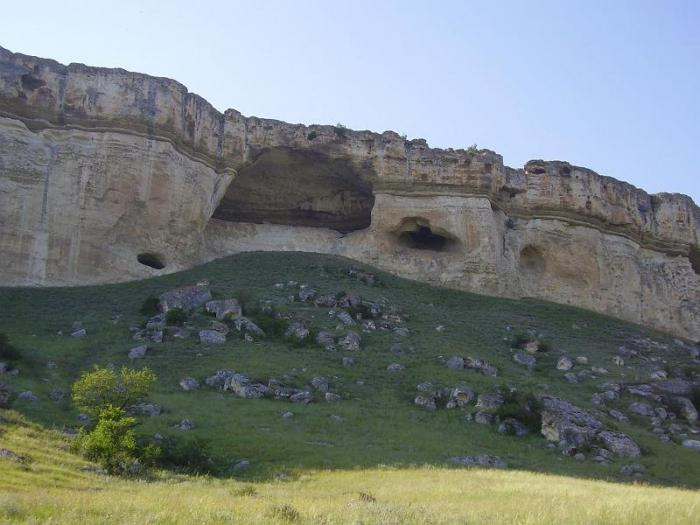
(108, 175)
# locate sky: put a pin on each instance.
(610, 85)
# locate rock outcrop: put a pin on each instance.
(108, 175)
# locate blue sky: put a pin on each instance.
(610, 85)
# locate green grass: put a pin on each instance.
(58, 487)
(380, 425)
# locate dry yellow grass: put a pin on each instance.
(58, 487)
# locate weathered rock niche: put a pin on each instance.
(108, 175)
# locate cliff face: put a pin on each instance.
(107, 175)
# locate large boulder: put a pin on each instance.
(568, 425)
(207, 337)
(224, 308)
(685, 408)
(138, 352)
(243, 324)
(489, 402)
(351, 342)
(619, 444)
(426, 402)
(480, 365)
(459, 396)
(219, 379)
(185, 298)
(189, 383)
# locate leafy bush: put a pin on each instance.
(175, 317)
(312, 135)
(190, 455)
(112, 443)
(7, 350)
(150, 306)
(473, 150)
(102, 388)
(524, 407)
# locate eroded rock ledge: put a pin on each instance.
(108, 175)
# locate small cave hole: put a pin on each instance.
(419, 236)
(151, 260)
(532, 261)
(30, 82)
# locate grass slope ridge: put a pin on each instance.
(56, 486)
(376, 422)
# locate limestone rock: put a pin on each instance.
(564, 364)
(207, 337)
(224, 308)
(185, 298)
(189, 384)
(484, 461)
(138, 352)
(141, 143)
(425, 402)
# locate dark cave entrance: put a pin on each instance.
(151, 260)
(417, 234)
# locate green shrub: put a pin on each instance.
(524, 407)
(312, 135)
(102, 388)
(473, 150)
(150, 306)
(7, 350)
(112, 443)
(189, 455)
(175, 317)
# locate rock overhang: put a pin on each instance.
(156, 172)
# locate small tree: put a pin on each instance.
(103, 388)
(112, 443)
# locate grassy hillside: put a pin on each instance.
(58, 487)
(375, 424)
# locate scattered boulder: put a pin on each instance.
(641, 409)
(331, 397)
(306, 293)
(532, 347)
(219, 379)
(643, 391)
(79, 333)
(320, 383)
(10, 455)
(138, 352)
(326, 340)
(692, 444)
(243, 324)
(571, 377)
(484, 461)
(189, 383)
(220, 327)
(185, 298)
(302, 397)
(685, 408)
(27, 395)
(633, 469)
(211, 337)
(395, 367)
(184, 425)
(224, 308)
(480, 365)
(484, 418)
(345, 318)
(564, 364)
(581, 360)
(348, 361)
(489, 402)
(455, 362)
(241, 465)
(351, 342)
(328, 301)
(619, 444)
(616, 414)
(457, 397)
(658, 375)
(677, 387)
(287, 415)
(425, 402)
(568, 425)
(512, 426)
(523, 358)
(297, 330)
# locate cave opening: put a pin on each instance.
(532, 261)
(151, 260)
(423, 239)
(300, 188)
(418, 234)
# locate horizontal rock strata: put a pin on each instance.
(108, 175)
